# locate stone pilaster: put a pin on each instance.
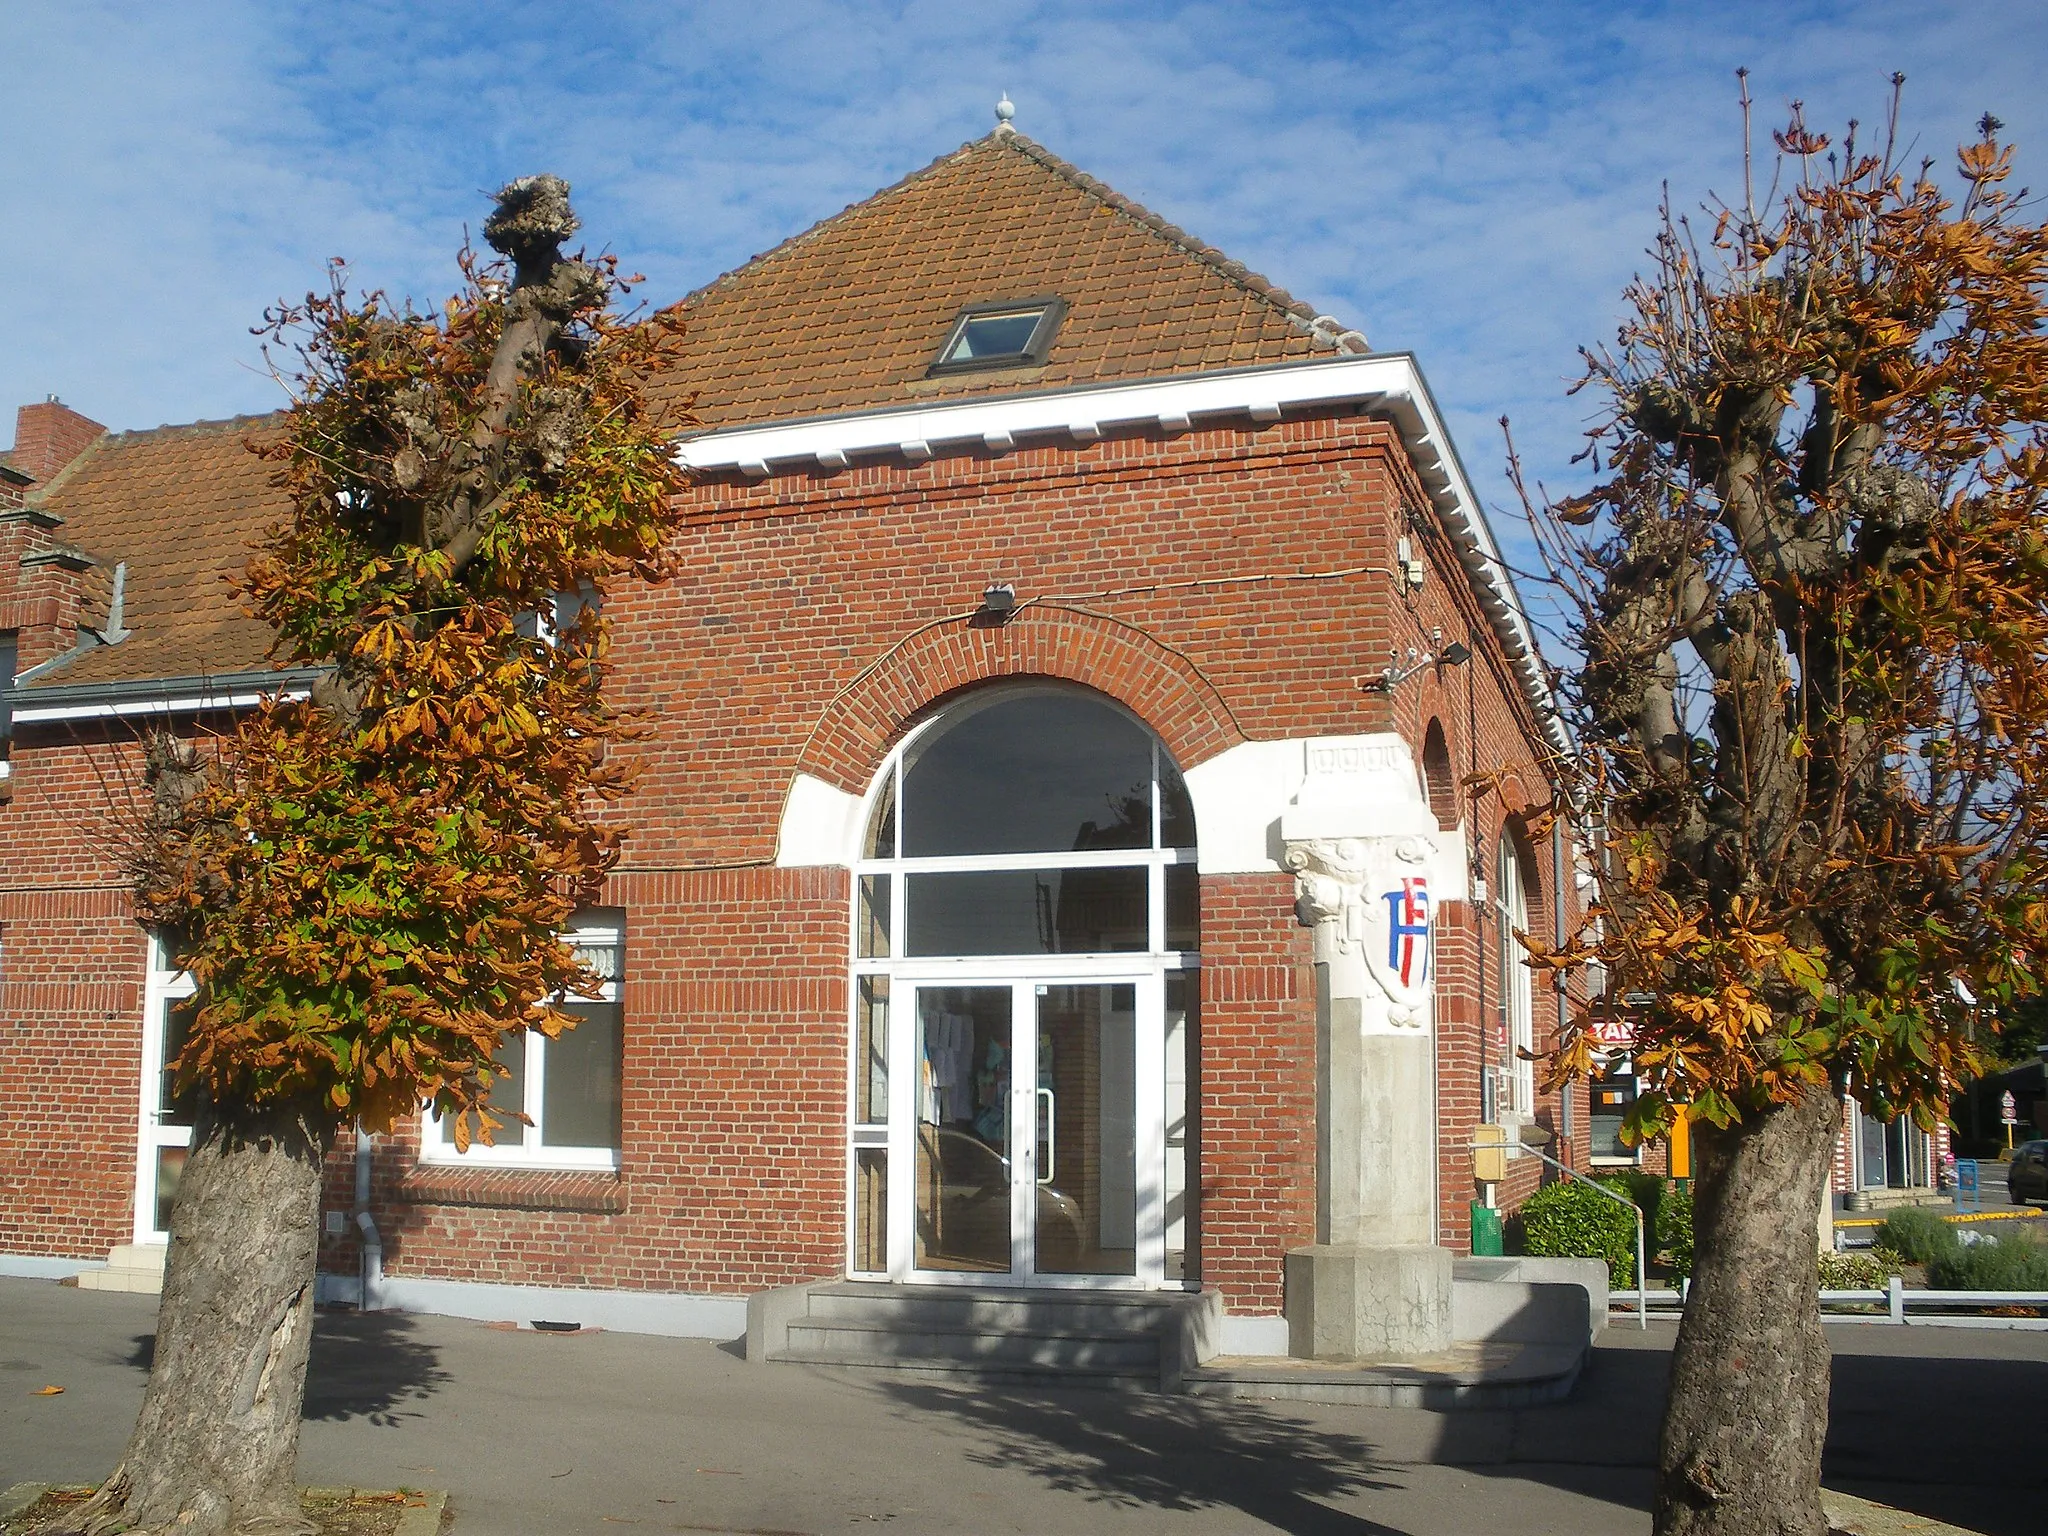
(1363, 847)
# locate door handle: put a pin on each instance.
(1051, 1109)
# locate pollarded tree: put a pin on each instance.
(1813, 597)
(368, 886)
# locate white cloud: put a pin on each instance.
(1470, 182)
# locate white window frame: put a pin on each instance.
(903, 972)
(1517, 983)
(437, 1142)
(162, 988)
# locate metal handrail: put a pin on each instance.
(1642, 1268)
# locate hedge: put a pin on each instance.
(2003, 1264)
(1566, 1220)
(1869, 1271)
(1674, 1228)
(1917, 1234)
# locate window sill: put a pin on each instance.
(596, 1193)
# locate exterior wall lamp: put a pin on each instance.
(1454, 654)
(998, 603)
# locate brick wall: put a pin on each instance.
(813, 618)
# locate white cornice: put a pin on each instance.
(1389, 383)
(187, 704)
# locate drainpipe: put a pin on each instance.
(373, 1245)
(1557, 930)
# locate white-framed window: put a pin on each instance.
(164, 1134)
(1517, 990)
(568, 1087)
(1000, 335)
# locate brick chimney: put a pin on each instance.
(49, 436)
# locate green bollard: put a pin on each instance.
(1486, 1243)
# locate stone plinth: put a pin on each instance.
(1352, 1302)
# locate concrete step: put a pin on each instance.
(1466, 1376)
(981, 1373)
(993, 1308)
(133, 1267)
(1125, 1340)
(889, 1339)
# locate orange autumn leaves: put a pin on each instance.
(369, 886)
(1813, 601)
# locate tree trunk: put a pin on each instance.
(216, 1446)
(1748, 1409)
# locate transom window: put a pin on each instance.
(568, 1087)
(1038, 821)
(1000, 335)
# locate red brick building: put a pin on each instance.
(1091, 712)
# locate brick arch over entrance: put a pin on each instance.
(1162, 688)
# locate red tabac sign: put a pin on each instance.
(1616, 1034)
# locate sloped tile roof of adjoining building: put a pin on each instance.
(180, 506)
(849, 314)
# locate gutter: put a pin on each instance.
(157, 695)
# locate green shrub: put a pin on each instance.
(1566, 1220)
(2004, 1264)
(1674, 1227)
(1869, 1271)
(1644, 1189)
(1918, 1234)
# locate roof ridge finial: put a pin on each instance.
(1005, 110)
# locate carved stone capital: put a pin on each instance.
(1367, 898)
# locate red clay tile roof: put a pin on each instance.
(844, 316)
(180, 505)
(849, 314)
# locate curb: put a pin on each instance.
(2016, 1214)
(1851, 1516)
(14, 1500)
(422, 1519)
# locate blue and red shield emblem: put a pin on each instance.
(1408, 931)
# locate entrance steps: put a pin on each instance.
(1112, 1341)
(1522, 1329)
(136, 1267)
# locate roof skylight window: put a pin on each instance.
(1010, 334)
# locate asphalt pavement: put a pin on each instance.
(594, 1434)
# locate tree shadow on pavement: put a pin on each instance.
(1933, 1436)
(1169, 1453)
(363, 1366)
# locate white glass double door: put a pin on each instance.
(1033, 1132)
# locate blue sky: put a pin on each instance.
(1471, 182)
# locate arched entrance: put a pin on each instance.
(1026, 929)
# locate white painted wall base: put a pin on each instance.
(1252, 1336)
(36, 1266)
(667, 1313)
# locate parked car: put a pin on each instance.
(2027, 1178)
